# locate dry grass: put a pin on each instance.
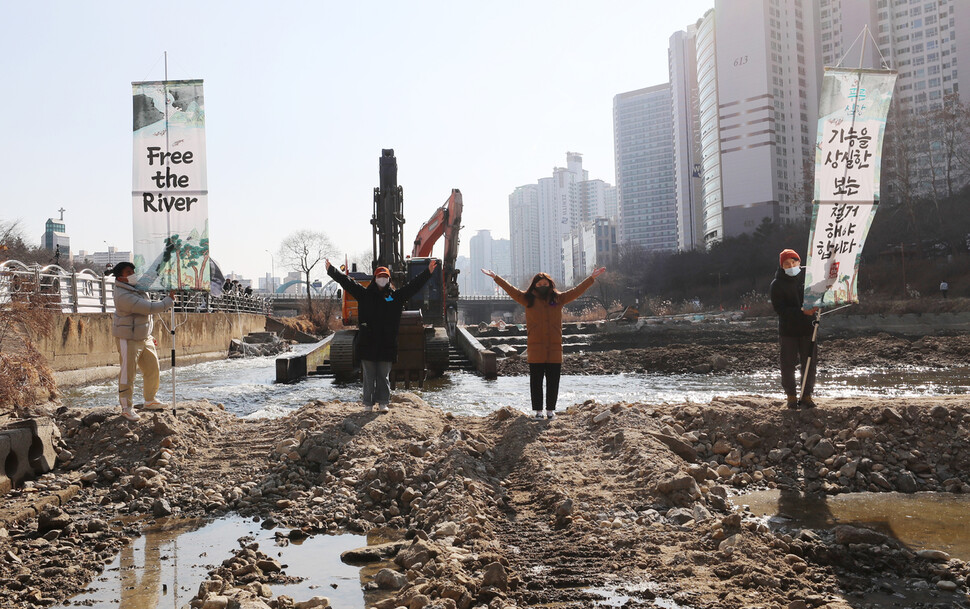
(25, 377)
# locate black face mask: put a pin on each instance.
(542, 291)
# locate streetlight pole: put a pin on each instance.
(272, 267)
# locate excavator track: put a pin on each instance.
(343, 361)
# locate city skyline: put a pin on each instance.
(484, 102)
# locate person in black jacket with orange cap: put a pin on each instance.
(795, 327)
(379, 308)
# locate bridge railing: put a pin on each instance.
(87, 292)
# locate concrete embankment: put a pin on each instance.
(81, 349)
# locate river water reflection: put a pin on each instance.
(247, 388)
(922, 521)
(164, 567)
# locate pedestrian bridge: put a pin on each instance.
(85, 291)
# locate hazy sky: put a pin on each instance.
(302, 96)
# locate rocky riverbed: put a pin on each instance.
(504, 511)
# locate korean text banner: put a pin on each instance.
(169, 191)
(852, 121)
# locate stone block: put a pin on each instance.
(43, 432)
(5, 483)
(16, 463)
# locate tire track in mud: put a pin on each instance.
(548, 469)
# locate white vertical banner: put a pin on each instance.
(852, 120)
(169, 191)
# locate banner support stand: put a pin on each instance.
(811, 353)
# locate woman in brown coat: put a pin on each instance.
(543, 319)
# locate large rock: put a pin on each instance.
(846, 534)
(824, 449)
(749, 440)
(388, 579)
(495, 575)
(906, 482)
(418, 552)
(679, 447)
(52, 518)
(161, 507)
(680, 483)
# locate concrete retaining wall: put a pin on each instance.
(84, 340)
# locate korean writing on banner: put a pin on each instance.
(852, 121)
(169, 191)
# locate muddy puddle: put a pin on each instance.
(164, 567)
(922, 521)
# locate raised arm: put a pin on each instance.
(516, 294)
(417, 282)
(574, 293)
(353, 288)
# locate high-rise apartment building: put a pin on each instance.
(544, 216)
(524, 233)
(558, 212)
(926, 41)
(682, 58)
(757, 84)
(645, 180)
(487, 253)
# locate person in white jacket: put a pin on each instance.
(131, 326)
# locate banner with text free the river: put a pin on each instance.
(169, 191)
(852, 120)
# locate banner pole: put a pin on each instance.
(808, 361)
(172, 331)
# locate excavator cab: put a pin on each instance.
(430, 300)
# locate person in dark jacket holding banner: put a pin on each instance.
(379, 308)
(795, 328)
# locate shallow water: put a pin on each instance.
(164, 567)
(247, 388)
(921, 521)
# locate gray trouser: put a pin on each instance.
(794, 351)
(377, 385)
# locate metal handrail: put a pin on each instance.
(87, 292)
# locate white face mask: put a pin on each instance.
(793, 271)
(382, 282)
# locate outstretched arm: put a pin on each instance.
(353, 288)
(412, 287)
(516, 294)
(576, 292)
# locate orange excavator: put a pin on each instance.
(422, 349)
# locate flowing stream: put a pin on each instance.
(247, 388)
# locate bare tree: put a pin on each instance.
(949, 132)
(302, 251)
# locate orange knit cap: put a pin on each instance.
(785, 255)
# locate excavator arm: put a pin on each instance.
(446, 221)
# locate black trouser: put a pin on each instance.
(794, 351)
(551, 372)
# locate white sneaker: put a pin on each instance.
(537, 415)
(550, 415)
(368, 408)
(383, 408)
(128, 413)
(154, 405)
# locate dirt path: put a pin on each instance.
(504, 511)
